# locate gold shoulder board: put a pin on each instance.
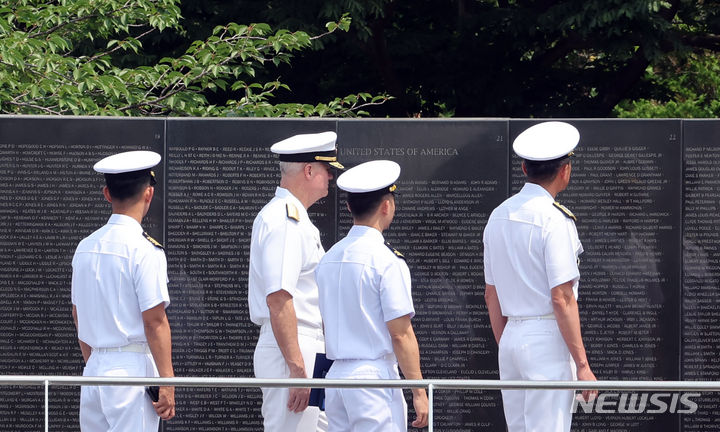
(395, 251)
(565, 211)
(292, 212)
(152, 240)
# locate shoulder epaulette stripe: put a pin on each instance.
(152, 240)
(565, 211)
(395, 251)
(292, 212)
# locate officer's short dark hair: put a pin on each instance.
(127, 185)
(365, 204)
(544, 171)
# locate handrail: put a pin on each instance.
(430, 384)
(47, 404)
(446, 384)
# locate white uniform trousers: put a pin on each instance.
(118, 408)
(366, 409)
(533, 349)
(269, 363)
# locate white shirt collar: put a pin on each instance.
(366, 231)
(121, 219)
(536, 190)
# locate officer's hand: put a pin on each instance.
(585, 374)
(420, 403)
(299, 397)
(165, 406)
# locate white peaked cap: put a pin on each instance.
(546, 141)
(306, 143)
(315, 147)
(370, 177)
(127, 162)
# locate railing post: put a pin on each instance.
(47, 405)
(430, 408)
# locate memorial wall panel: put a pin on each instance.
(646, 193)
(50, 198)
(453, 175)
(701, 267)
(220, 174)
(625, 194)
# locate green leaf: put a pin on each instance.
(54, 61)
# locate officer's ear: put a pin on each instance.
(385, 206)
(148, 194)
(307, 170)
(565, 172)
(106, 193)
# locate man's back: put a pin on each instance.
(362, 284)
(530, 247)
(117, 274)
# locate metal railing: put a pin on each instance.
(429, 384)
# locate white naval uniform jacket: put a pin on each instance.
(118, 273)
(363, 285)
(285, 248)
(531, 246)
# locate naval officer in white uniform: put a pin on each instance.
(282, 294)
(119, 296)
(366, 305)
(531, 274)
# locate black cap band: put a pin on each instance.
(326, 156)
(129, 177)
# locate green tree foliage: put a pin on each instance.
(680, 89)
(469, 58)
(517, 58)
(71, 57)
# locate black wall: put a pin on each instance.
(646, 193)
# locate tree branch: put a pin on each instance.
(157, 83)
(707, 41)
(560, 50)
(119, 46)
(61, 25)
(29, 105)
(31, 69)
(356, 107)
(623, 81)
(75, 21)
